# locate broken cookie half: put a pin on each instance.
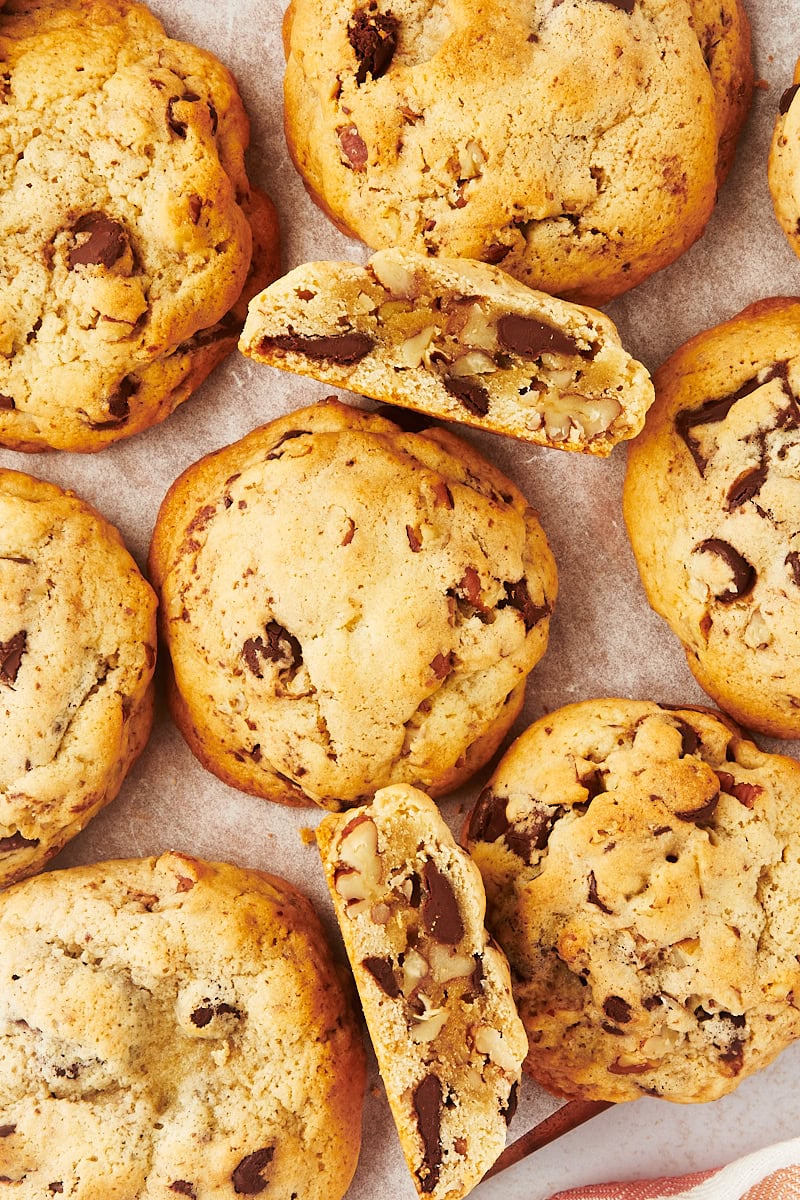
(458, 340)
(435, 989)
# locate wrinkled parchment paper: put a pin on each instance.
(604, 639)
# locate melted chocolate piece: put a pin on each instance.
(716, 410)
(472, 395)
(689, 739)
(744, 575)
(177, 126)
(382, 972)
(205, 1014)
(593, 896)
(522, 840)
(11, 653)
(488, 821)
(787, 98)
(342, 348)
(698, 815)
(748, 485)
(518, 597)
(7, 1130)
(183, 1188)
(287, 437)
(281, 647)
(118, 401)
(530, 338)
(15, 841)
(373, 36)
(6, 403)
(440, 915)
(408, 419)
(792, 561)
(617, 1009)
(511, 1104)
(625, 5)
(107, 241)
(247, 1178)
(428, 1108)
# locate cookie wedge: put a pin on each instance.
(435, 989)
(458, 340)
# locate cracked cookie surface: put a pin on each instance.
(435, 989)
(77, 652)
(459, 340)
(173, 1027)
(347, 605)
(580, 143)
(641, 872)
(128, 230)
(711, 506)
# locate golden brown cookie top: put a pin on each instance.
(124, 217)
(641, 872)
(348, 605)
(170, 1026)
(77, 652)
(545, 136)
(710, 502)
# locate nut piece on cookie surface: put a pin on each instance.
(580, 144)
(641, 873)
(458, 340)
(434, 986)
(173, 1027)
(77, 654)
(347, 605)
(130, 239)
(711, 506)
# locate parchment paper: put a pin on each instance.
(604, 639)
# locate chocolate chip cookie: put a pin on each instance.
(77, 652)
(130, 239)
(711, 506)
(435, 990)
(458, 340)
(641, 872)
(784, 163)
(170, 1027)
(347, 606)
(580, 143)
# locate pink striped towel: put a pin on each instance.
(770, 1174)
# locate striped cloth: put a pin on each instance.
(770, 1174)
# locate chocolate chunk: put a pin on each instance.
(511, 1103)
(593, 896)
(733, 1057)
(56, 1187)
(428, 1108)
(716, 410)
(792, 561)
(530, 338)
(618, 1068)
(699, 815)
(786, 99)
(183, 1188)
(287, 437)
(373, 36)
(205, 1014)
(7, 1130)
(107, 241)
(281, 647)
(518, 597)
(118, 401)
(15, 841)
(11, 653)
(625, 5)
(353, 146)
(440, 915)
(342, 348)
(488, 821)
(6, 403)
(382, 972)
(652, 1002)
(747, 486)
(475, 980)
(744, 575)
(247, 1178)
(689, 739)
(522, 840)
(408, 419)
(472, 395)
(617, 1009)
(178, 126)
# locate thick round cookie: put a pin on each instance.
(457, 340)
(77, 652)
(580, 143)
(435, 989)
(128, 230)
(713, 511)
(641, 872)
(347, 606)
(173, 1027)
(784, 163)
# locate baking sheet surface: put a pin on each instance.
(604, 638)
